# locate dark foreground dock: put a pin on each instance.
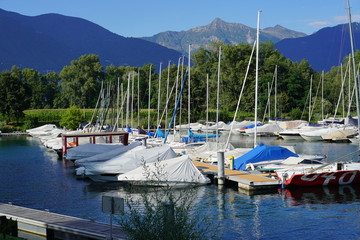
(36, 224)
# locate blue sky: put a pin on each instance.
(139, 18)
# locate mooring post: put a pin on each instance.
(221, 175)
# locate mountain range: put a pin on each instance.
(49, 42)
(219, 30)
(323, 49)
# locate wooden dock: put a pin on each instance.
(244, 180)
(47, 225)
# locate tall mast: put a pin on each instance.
(167, 93)
(354, 66)
(176, 89)
(149, 99)
(269, 101)
(257, 75)
(132, 99)
(322, 95)
(138, 97)
(275, 103)
(217, 100)
(127, 101)
(207, 106)
(189, 86)
(159, 95)
(311, 79)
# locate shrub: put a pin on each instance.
(72, 118)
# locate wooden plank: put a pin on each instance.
(233, 174)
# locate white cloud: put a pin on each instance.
(318, 23)
(344, 19)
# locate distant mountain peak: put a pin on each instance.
(216, 21)
(219, 30)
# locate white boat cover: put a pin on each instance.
(170, 171)
(129, 160)
(292, 124)
(339, 135)
(88, 150)
(219, 125)
(319, 132)
(193, 126)
(269, 128)
(106, 155)
(42, 130)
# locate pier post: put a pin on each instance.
(221, 175)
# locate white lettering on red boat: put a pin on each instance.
(328, 177)
(306, 177)
(351, 179)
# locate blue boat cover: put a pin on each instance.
(194, 135)
(128, 129)
(159, 133)
(253, 125)
(141, 131)
(262, 153)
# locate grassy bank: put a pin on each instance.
(37, 117)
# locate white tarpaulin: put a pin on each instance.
(129, 160)
(89, 149)
(106, 155)
(171, 171)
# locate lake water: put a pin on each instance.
(32, 176)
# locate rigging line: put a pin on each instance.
(240, 95)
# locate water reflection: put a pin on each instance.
(323, 195)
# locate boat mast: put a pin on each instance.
(217, 100)
(269, 101)
(354, 66)
(275, 103)
(176, 89)
(138, 97)
(257, 75)
(149, 99)
(167, 93)
(189, 86)
(127, 101)
(311, 79)
(159, 95)
(322, 95)
(132, 99)
(207, 106)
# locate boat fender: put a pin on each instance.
(285, 176)
(251, 166)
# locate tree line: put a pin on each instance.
(79, 84)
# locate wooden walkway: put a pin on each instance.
(58, 224)
(245, 180)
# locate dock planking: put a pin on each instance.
(78, 227)
(245, 180)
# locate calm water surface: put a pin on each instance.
(32, 176)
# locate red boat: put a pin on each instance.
(333, 175)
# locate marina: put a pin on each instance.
(38, 180)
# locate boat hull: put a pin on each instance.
(324, 178)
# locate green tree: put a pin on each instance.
(72, 118)
(37, 84)
(80, 81)
(13, 94)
